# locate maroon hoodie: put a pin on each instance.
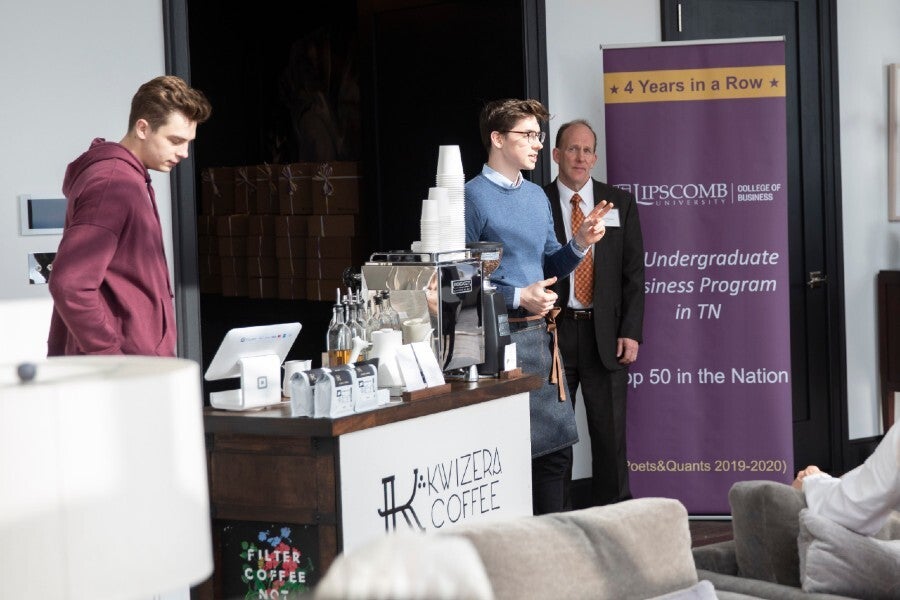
(110, 283)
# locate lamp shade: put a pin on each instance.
(103, 481)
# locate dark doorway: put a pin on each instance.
(433, 65)
(283, 81)
(814, 234)
(424, 68)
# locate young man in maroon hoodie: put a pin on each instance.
(110, 284)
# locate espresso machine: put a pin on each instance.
(493, 308)
(440, 288)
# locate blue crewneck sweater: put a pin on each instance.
(520, 219)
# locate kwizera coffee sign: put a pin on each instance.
(436, 472)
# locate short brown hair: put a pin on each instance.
(502, 115)
(160, 97)
(564, 126)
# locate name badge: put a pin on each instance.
(611, 219)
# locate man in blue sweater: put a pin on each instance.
(502, 207)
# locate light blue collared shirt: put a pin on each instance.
(501, 179)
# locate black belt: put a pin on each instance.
(584, 314)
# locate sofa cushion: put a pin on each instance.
(765, 521)
(703, 590)
(835, 560)
(635, 549)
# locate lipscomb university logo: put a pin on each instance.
(678, 194)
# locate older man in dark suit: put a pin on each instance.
(602, 304)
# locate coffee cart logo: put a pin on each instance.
(406, 510)
(464, 486)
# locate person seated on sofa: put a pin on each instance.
(863, 499)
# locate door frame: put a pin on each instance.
(844, 453)
(184, 210)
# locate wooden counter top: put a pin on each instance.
(276, 420)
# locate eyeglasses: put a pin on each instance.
(531, 136)
(580, 149)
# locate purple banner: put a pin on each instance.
(698, 134)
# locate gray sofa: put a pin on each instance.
(780, 551)
(633, 550)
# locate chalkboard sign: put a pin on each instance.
(267, 561)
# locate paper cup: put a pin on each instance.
(449, 161)
(291, 367)
(430, 210)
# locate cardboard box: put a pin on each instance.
(217, 191)
(266, 190)
(292, 288)
(244, 189)
(233, 266)
(260, 245)
(322, 289)
(326, 268)
(207, 244)
(233, 246)
(332, 225)
(333, 247)
(295, 189)
(262, 266)
(335, 188)
(291, 225)
(209, 264)
(231, 225)
(235, 286)
(262, 287)
(206, 225)
(261, 225)
(292, 267)
(290, 247)
(210, 284)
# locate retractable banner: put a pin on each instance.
(697, 132)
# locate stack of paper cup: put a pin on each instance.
(441, 195)
(450, 176)
(430, 227)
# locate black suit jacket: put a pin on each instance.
(618, 272)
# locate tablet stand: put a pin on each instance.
(260, 385)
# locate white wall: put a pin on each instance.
(575, 31)
(867, 43)
(68, 71)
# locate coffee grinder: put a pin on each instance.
(493, 308)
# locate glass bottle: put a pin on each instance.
(356, 329)
(337, 300)
(362, 317)
(340, 338)
(374, 323)
(390, 319)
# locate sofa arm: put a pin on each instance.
(719, 558)
(757, 588)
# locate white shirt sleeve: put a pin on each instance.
(862, 499)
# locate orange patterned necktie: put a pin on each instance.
(584, 272)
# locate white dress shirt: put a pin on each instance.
(862, 499)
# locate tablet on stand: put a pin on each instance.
(255, 355)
